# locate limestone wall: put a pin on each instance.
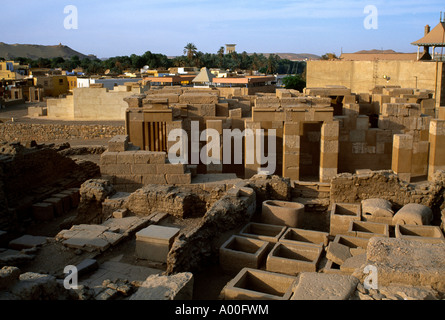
(362, 76)
(93, 104)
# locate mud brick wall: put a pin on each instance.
(29, 175)
(15, 132)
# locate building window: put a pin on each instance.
(60, 81)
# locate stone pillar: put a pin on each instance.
(437, 147)
(218, 126)
(402, 153)
(291, 152)
(134, 127)
(250, 160)
(330, 132)
(419, 165)
(170, 126)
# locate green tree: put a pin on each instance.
(272, 64)
(190, 50)
(294, 82)
(329, 56)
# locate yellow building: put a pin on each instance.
(72, 82)
(10, 70)
(53, 86)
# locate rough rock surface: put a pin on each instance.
(93, 193)
(195, 248)
(177, 201)
(158, 287)
(34, 286)
(406, 262)
(321, 286)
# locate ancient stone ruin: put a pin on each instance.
(355, 209)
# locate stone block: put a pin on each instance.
(149, 157)
(142, 169)
(74, 196)
(58, 205)
(235, 113)
(241, 252)
(118, 143)
(108, 158)
(121, 213)
(341, 216)
(406, 262)
(363, 229)
(261, 231)
(43, 211)
(160, 287)
(338, 253)
(154, 242)
(198, 98)
(66, 200)
(87, 266)
(305, 237)
(126, 157)
(171, 168)
(320, 286)
(153, 179)
(179, 179)
(27, 242)
(430, 234)
(292, 259)
(115, 169)
(8, 277)
(251, 284)
(353, 263)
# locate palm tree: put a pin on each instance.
(220, 57)
(190, 49)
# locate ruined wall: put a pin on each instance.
(30, 175)
(13, 132)
(178, 201)
(349, 188)
(198, 247)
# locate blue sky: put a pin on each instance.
(112, 28)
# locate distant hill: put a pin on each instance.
(295, 56)
(33, 51)
(374, 51)
(289, 56)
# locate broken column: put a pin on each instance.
(291, 152)
(437, 147)
(402, 156)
